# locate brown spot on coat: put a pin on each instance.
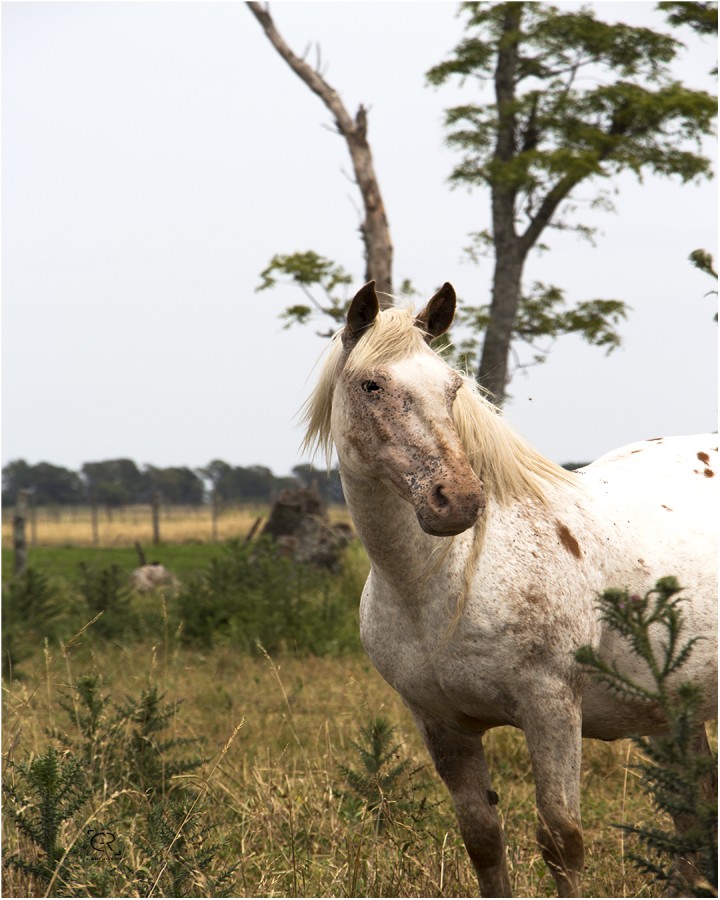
(708, 473)
(567, 540)
(669, 509)
(704, 458)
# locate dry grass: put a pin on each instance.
(276, 793)
(72, 526)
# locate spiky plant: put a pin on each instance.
(42, 794)
(672, 773)
(377, 779)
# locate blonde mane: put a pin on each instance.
(507, 465)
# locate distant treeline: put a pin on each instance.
(118, 482)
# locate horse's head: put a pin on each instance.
(392, 411)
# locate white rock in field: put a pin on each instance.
(153, 576)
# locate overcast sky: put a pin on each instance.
(156, 155)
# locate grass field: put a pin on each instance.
(276, 795)
(271, 798)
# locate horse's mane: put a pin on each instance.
(507, 465)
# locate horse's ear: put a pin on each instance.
(437, 316)
(363, 310)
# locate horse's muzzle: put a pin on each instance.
(444, 510)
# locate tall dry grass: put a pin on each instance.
(72, 526)
(277, 731)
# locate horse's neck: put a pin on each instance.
(398, 548)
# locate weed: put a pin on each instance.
(31, 612)
(252, 594)
(44, 793)
(104, 590)
(381, 781)
(669, 769)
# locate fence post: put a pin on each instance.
(94, 521)
(215, 513)
(156, 518)
(19, 541)
(33, 521)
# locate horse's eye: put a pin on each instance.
(370, 387)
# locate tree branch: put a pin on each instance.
(374, 229)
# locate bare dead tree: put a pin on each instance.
(374, 229)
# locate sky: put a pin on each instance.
(156, 155)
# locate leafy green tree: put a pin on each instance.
(575, 100)
(176, 484)
(114, 482)
(48, 483)
(238, 484)
(701, 17)
(16, 476)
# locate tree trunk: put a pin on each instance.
(509, 256)
(374, 229)
(493, 371)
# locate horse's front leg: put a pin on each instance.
(553, 730)
(460, 761)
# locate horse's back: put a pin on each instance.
(659, 502)
(670, 484)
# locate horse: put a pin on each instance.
(487, 561)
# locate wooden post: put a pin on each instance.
(33, 521)
(156, 518)
(94, 521)
(215, 513)
(19, 541)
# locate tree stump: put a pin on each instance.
(299, 525)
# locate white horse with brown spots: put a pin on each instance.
(487, 562)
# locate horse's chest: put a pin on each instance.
(419, 663)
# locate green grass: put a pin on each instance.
(183, 560)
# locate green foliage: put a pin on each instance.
(671, 771)
(701, 17)
(113, 482)
(178, 839)
(575, 99)
(120, 754)
(381, 780)
(564, 128)
(310, 270)
(544, 316)
(31, 613)
(175, 484)
(237, 594)
(42, 795)
(238, 483)
(704, 261)
(251, 593)
(49, 484)
(104, 589)
(125, 744)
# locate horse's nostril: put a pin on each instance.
(439, 498)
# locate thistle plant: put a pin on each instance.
(376, 782)
(44, 793)
(670, 770)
